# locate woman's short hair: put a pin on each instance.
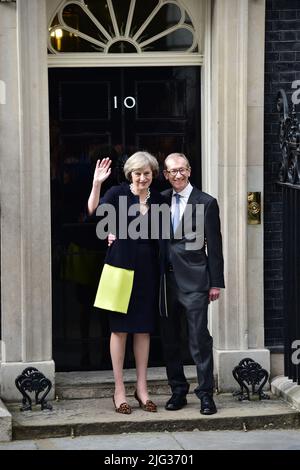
(138, 161)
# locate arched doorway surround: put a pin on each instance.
(232, 119)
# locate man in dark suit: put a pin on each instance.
(193, 279)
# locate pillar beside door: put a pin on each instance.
(25, 212)
(237, 120)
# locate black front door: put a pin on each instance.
(98, 112)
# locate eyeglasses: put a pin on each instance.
(174, 172)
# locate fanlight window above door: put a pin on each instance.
(121, 26)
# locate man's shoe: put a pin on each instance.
(208, 406)
(176, 402)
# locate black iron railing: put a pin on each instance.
(289, 179)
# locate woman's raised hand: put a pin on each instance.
(111, 238)
(102, 170)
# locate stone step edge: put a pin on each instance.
(105, 390)
(278, 421)
(155, 374)
(128, 383)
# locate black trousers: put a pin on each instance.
(194, 306)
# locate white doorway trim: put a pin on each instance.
(92, 59)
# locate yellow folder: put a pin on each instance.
(114, 289)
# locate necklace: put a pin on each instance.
(146, 198)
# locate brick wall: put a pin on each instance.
(282, 67)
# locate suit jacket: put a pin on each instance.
(203, 268)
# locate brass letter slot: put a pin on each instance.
(254, 208)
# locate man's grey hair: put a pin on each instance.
(138, 161)
(174, 155)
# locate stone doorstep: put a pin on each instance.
(97, 416)
(100, 384)
(100, 390)
(5, 423)
(287, 389)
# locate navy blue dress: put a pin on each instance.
(142, 256)
(143, 306)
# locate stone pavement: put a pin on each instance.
(164, 441)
